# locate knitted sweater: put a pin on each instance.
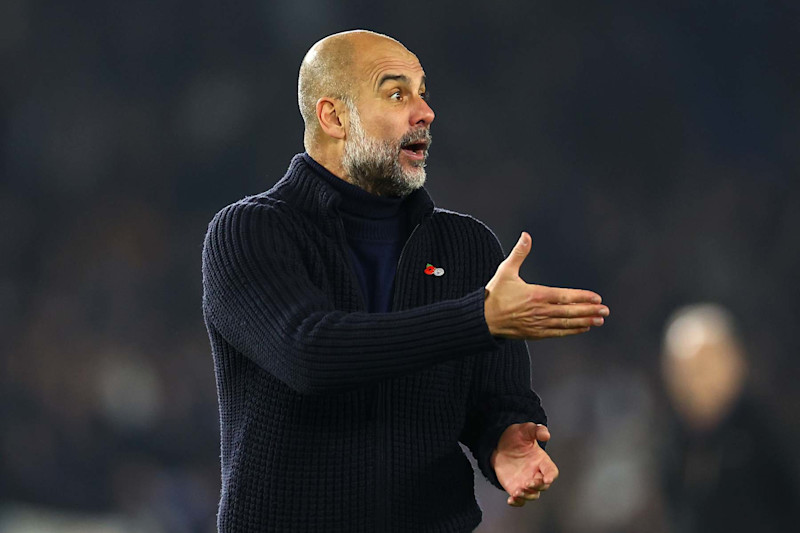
(376, 230)
(335, 419)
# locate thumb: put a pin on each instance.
(531, 431)
(518, 254)
(542, 433)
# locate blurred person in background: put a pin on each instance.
(359, 333)
(725, 467)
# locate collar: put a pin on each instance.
(315, 196)
(355, 200)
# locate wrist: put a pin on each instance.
(488, 312)
(493, 458)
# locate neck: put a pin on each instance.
(329, 156)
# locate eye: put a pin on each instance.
(396, 95)
(425, 95)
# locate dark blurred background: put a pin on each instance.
(651, 149)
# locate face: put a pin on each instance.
(704, 382)
(389, 123)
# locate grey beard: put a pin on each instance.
(374, 165)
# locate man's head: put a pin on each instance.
(703, 364)
(362, 96)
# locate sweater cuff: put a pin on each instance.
(480, 308)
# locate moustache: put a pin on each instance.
(417, 137)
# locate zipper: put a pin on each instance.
(383, 439)
(382, 416)
(399, 262)
(381, 470)
(381, 517)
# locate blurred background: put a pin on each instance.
(651, 149)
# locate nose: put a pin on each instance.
(423, 114)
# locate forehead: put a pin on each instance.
(388, 58)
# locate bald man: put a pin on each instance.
(726, 466)
(359, 333)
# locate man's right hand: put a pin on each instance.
(517, 310)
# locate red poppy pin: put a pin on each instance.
(431, 270)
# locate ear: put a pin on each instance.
(332, 117)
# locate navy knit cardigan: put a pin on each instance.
(335, 419)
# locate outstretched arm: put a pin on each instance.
(259, 297)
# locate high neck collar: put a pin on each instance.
(355, 200)
(302, 188)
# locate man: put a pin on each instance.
(356, 340)
(718, 436)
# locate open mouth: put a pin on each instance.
(415, 149)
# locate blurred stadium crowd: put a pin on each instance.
(652, 151)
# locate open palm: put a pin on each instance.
(522, 467)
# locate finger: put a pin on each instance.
(542, 433)
(515, 502)
(556, 295)
(518, 254)
(531, 495)
(538, 484)
(523, 495)
(539, 488)
(547, 333)
(574, 310)
(570, 323)
(549, 472)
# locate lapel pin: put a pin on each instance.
(431, 270)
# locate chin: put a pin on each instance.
(415, 180)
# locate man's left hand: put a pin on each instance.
(523, 468)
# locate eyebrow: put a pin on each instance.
(397, 77)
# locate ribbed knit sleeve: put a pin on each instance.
(501, 391)
(260, 298)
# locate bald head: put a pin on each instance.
(703, 363)
(331, 69)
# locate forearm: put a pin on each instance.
(326, 351)
(501, 396)
(262, 298)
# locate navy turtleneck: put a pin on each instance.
(376, 230)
